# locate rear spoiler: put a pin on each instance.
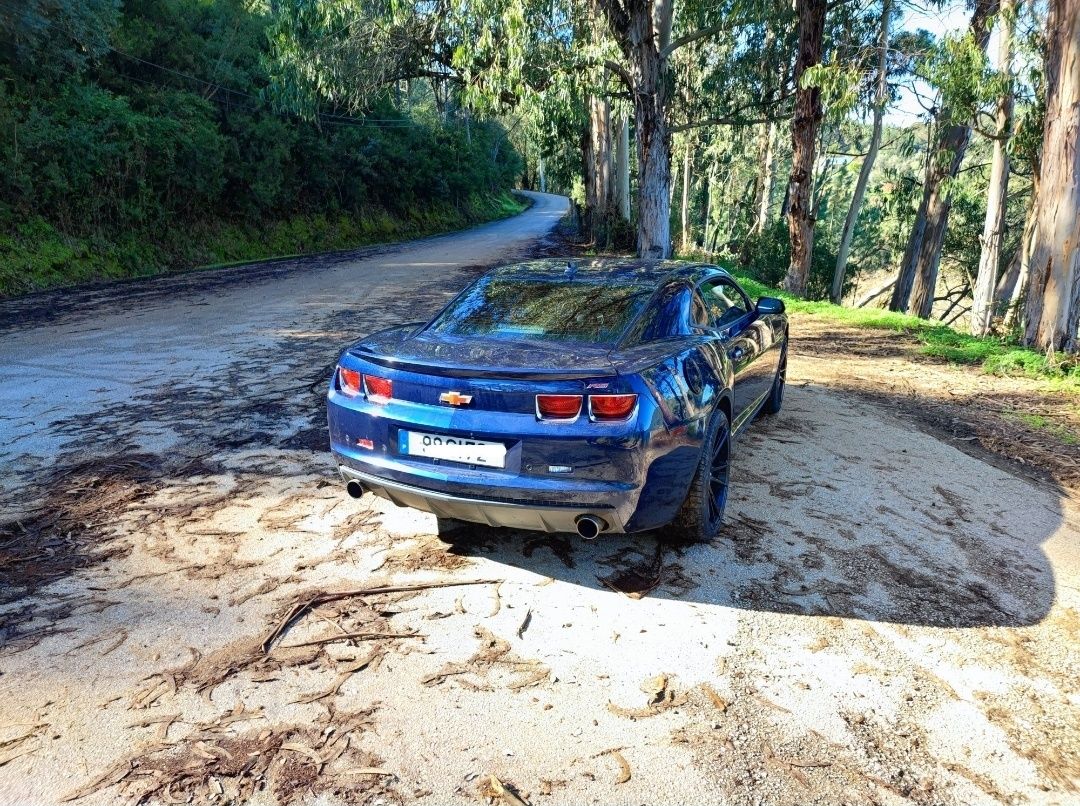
(457, 371)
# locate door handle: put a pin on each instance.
(737, 353)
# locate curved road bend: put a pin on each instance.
(239, 330)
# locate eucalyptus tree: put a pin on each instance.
(993, 235)
(1053, 296)
(880, 102)
(804, 126)
(957, 69)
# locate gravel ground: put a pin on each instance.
(886, 619)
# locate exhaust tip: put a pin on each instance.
(589, 526)
(354, 488)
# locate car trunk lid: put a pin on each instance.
(408, 350)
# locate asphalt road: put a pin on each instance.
(67, 356)
(886, 619)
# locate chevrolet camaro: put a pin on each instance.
(593, 396)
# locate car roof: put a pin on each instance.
(616, 271)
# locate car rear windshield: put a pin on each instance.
(571, 310)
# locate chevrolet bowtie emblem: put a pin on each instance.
(455, 398)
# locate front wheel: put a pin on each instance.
(702, 513)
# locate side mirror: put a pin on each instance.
(767, 305)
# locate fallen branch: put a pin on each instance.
(354, 636)
(300, 608)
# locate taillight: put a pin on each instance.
(558, 407)
(349, 380)
(378, 389)
(611, 407)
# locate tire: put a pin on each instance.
(775, 399)
(701, 515)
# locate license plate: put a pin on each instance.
(452, 449)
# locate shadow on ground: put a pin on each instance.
(833, 513)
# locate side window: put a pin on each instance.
(725, 303)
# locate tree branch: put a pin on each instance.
(686, 39)
(734, 119)
(622, 73)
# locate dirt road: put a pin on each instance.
(887, 619)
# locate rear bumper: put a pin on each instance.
(515, 515)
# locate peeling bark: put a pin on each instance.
(1053, 295)
(642, 29)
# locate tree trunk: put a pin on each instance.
(1053, 296)
(906, 276)
(923, 255)
(642, 29)
(706, 205)
(651, 130)
(1013, 293)
(622, 168)
(685, 207)
(674, 182)
(982, 305)
(588, 176)
(599, 193)
(767, 173)
(881, 100)
(804, 126)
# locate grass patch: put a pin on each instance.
(1041, 422)
(34, 255)
(993, 355)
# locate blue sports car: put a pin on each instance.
(595, 396)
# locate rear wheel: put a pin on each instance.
(776, 395)
(702, 513)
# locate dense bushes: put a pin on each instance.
(151, 148)
(766, 256)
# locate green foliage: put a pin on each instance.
(43, 40)
(993, 355)
(959, 69)
(35, 255)
(153, 149)
(766, 256)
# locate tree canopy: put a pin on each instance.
(834, 148)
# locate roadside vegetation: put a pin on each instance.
(993, 354)
(140, 137)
